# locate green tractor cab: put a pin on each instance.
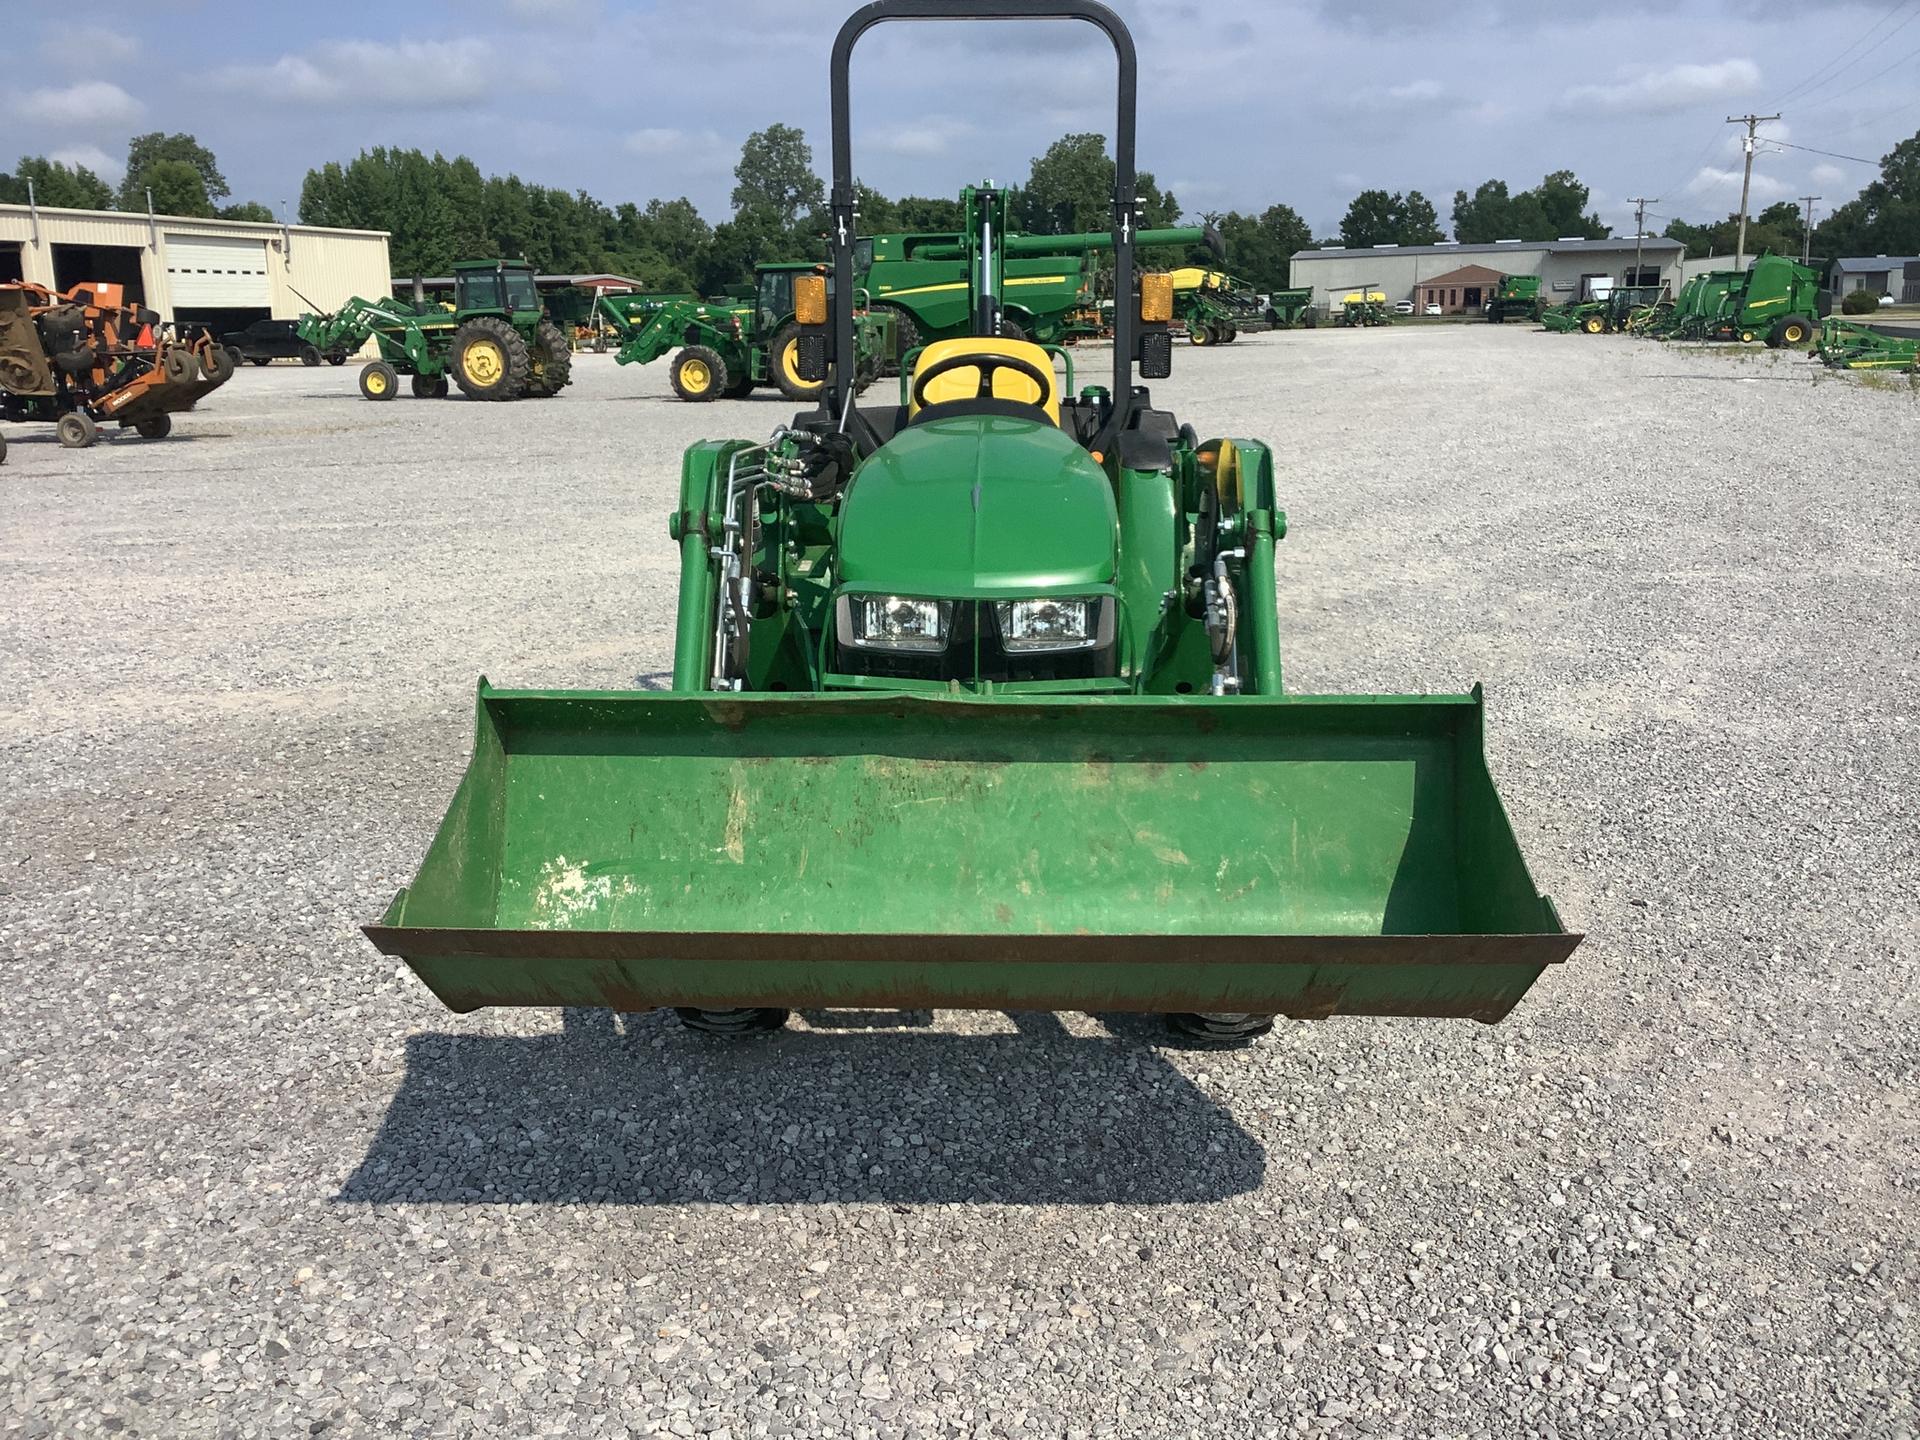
(977, 703)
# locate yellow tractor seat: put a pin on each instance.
(963, 382)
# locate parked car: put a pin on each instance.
(1433, 309)
(1403, 307)
(265, 341)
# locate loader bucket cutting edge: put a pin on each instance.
(1302, 855)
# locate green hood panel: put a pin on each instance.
(979, 505)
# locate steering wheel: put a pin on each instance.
(987, 365)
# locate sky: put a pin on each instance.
(1243, 102)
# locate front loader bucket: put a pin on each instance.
(1303, 855)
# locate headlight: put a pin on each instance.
(898, 622)
(1030, 625)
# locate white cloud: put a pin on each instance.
(1710, 181)
(107, 167)
(61, 49)
(1825, 174)
(89, 105)
(669, 143)
(411, 74)
(1674, 87)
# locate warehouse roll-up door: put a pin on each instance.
(209, 272)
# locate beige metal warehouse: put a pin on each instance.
(221, 273)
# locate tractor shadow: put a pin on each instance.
(636, 1110)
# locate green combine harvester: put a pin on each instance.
(1517, 298)
(496, 343)
(723, 349)
(977, 703)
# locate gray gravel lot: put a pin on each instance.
(257, 1183)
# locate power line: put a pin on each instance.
(1835, 99)
(1830, 154)
(1815, 80)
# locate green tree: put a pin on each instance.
(144, 152)
(1070, 189)
(1884, 218)
(1778, 228)
(937, 213)
(1260, 249)
(1555, 209)
(247, 210)
(176, 189)
(775, 176)
(1378, 218)
(64, 187)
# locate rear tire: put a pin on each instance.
(179, 366)
(550, 361)
(217, 365)
(75, 430)
(699, 374)
(783, 361)
(1199, 334)
(730, 1024)
(336, 359)
(1793, 330)
(1012, 330)
(263, 359)
(379, 381)
(309, 355)
(1221, 1028)
(906, 337)
(156, 427)
(490, 360)
(233, 354)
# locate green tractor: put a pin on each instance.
(496, 342)
(724, 349)
(977, 703)
(1518, 297)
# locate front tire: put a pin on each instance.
(784, 361)
(156, 427)
(75, 430)
(309, 355)
(1199, 334)
(263, 359)
(731, 1024)
(379, 381)
(699, 374)
(217, 365)
(490, 360)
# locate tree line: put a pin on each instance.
(440, 210)
(177, 171)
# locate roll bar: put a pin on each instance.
(1125, 220)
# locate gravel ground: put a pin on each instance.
(257, 1183)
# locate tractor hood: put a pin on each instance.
(975, 506)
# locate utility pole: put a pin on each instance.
(1806, 231)
(1640, 203)
(1752, 122)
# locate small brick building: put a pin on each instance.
(1465, 291)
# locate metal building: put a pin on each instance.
(1568, 268)
(221, 273)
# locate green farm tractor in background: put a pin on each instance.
(495, 343)
(977, 703)
(1214, 307)
(1365, 306)
(1517, 298)
(723, 349)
